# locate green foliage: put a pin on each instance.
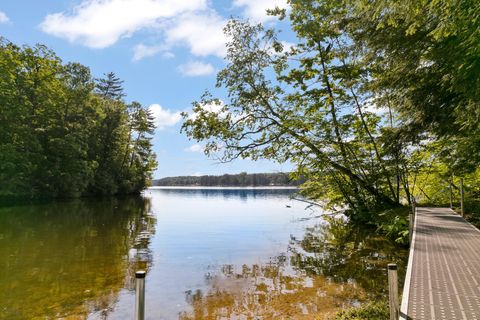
(472, 210)
(426, 61)
(394, 224)
(61, 137)
(315, 103)
(110, 87)
(368, 311)
(471, 188)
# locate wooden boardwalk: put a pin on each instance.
(443, 274)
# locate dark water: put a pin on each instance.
(209, 254)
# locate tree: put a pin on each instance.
(316, 103)
(61, 137)
(110, 87)
(141, 158)
(310, 113)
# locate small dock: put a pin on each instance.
(443, 273)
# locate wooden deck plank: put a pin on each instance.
(443, 273)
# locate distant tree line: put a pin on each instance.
(64, 133)
(231, 180)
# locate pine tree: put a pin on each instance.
(110, 87)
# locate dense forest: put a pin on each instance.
(376, 103)
(231, 180)
(64, 133)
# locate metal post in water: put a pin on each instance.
(461, 197)
(140, 295)
(393, 291)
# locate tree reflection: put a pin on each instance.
(265, 292)
(334, 266)
(226, 193)
(70, 259)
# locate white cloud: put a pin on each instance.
(189, 23)
(196, 68)
(256, 10)
(101, 23)
(141, 51)
(195, 148)
(3, 17)
(163, 117)
(201, 32)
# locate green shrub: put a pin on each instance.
(377, 310)
(394, 224)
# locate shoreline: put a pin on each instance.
(224, 188)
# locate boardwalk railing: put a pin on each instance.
(462, 195)
(462, 198)
(411, 220)
(408, 275)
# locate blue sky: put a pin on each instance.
(166, 51)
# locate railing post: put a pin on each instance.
(451, 194)
(462, 212)
(393, 291)
(140, 295)
(411, 221)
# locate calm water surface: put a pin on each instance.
(209, 254)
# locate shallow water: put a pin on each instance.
(209, 254)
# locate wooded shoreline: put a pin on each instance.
(231, 180)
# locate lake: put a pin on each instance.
(208, 253)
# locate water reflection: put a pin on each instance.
(345, 253)
(333, 266)
(70, 259)
(210, 254)
(224, 193)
